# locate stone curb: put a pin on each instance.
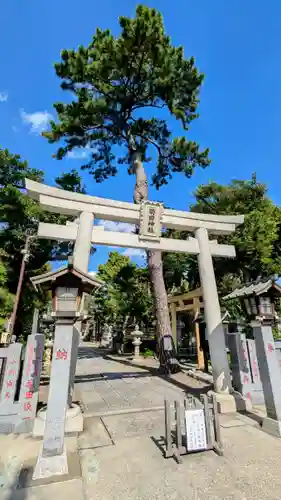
(123, 411)
(197, 375)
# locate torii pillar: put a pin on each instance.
(81, 254)
(215, 333)
(82, 247)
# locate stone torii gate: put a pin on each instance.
(151, 217)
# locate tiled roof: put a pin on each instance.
(254, 289)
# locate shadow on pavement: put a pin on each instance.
(160, 443)
(19, 489)
(168, 378)
(96, 352)
(97, 377)
(86, 352)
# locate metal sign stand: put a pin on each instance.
(202, 429)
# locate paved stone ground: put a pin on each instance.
(120, 453)
(107, 385)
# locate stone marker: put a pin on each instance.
(270, 377)
(30, 382)
(240, 365)
(53, 459)
(257, 392)
(8, 407)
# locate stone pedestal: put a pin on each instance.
(231, 403)
(51, 466)
(73, 421)
(271, 426)
(137, 334)
(52, 459)
(270, 376)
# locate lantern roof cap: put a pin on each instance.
(51, 276)
(257, 288)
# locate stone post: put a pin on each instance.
(30, 382)
(136, 334)
(83, 241)
(215, 333)
(53, 460)
(240, 364)
(270, 376)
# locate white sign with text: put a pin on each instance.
(195, 430)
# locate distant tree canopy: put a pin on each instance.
(126, 295)
(19, 216)
(257, 241)
(6, 298)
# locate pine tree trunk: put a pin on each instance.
(155, 263)
(155, 266)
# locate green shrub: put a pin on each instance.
(148, 353)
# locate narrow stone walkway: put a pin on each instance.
(108, 385)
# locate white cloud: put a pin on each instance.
(80, 153)
(92, 273)
(134, 252)
(77, 154)
(122, 227)
(3, 96)
(37, 121)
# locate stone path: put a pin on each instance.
(119, 454)
(106, 385)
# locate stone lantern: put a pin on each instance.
(137, 335)
(258, 300)
(67, 285)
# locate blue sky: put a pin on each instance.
(235, 43)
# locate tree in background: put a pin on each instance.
(126, 295)
(121, 89)
(257, 241)
(6, 298)
(71, 181)
(19, 216)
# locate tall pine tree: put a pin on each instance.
(121, 88)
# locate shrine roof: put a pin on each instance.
(51, 276)
(256, 288)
